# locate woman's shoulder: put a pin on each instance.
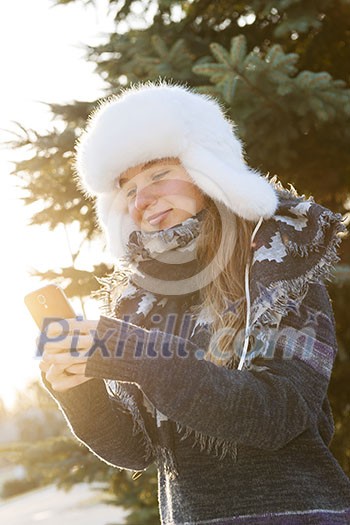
(302, 225)
(302, 236)
(297, 246)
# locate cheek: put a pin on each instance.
(174, 190)
(134, 213)
(186, 192)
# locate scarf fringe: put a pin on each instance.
(111, 287)
(220, 447)
(165, 459)
(293, 291)
(285, 192)
(129, 404)
(163, 456)
(326, 219)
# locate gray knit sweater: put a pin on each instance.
(275, 410)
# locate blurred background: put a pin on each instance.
(281, 69)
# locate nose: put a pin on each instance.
(144, 197)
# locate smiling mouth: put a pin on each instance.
(158, 217)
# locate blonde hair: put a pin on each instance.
(224, 297)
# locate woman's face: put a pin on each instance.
(160, 194)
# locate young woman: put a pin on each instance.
(215, 352)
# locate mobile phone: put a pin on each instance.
(48, 302)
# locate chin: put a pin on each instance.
(171, 221)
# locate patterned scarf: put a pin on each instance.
(295, 247)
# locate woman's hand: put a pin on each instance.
(64, 357)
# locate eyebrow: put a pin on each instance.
(146, 165)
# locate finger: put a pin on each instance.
(54, 371)
(78, 368)
(85, 326)
(63, 384)
(44, 366)
(56, 328)
(70, 342)
(42, 348)
(43, 342)
(64, 360)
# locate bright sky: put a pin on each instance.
(41, 60)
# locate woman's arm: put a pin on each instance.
(99, 423)
(264, 408)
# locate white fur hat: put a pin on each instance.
(152, 121)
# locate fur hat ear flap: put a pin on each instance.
(115, 223)
(231, 182)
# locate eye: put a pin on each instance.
(130, 193)
(159, 175)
